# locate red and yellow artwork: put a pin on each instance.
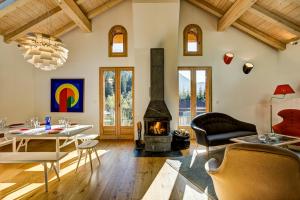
(67, 95)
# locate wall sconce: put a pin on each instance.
(228, 58)
(247, 67)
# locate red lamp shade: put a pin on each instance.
(284, 89)
(228, 58)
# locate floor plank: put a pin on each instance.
(121, 175)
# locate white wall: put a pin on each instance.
(87, 52)
(25, 91)
(16, 84)
(155, 26)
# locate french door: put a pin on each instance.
(116, 102)
(194, 90)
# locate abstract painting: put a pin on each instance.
(67, 95)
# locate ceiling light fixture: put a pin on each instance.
(247, 67)
(228, 58)
(44, 51)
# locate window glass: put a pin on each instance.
(109, 98)
(184, 97)
(118, 41)
(126, 98)
(200, 91)
(192, 40)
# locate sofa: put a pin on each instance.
(214, 129)
(256, 171)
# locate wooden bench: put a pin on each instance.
(34, 157)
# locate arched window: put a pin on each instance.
(117, 45)
(192, 40)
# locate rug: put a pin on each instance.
(192, 167)
(143, 153)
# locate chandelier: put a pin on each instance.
(43, 51)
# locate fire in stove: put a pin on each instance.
(157, 128)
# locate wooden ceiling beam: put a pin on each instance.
(267, 39)
(34, 23)
(238, 8)
(93, 13)
(13, 7)
(257, 34)
(273, 18)
(293, 39)
(80, 1)
(75, 13)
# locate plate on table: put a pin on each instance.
(23, 129)
(19, 131)
(55, 130)
(16, 132)
(15, 125)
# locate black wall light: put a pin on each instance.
(247, 67)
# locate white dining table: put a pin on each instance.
(69, 135)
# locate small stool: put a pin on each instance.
(89, 146)
(85, 137)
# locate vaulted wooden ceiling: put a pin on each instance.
(55, 17)
(273, 22)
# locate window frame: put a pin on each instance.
(111, 34)
(193, 97)
(199, 51)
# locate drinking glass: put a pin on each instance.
(3, 121)
(62, 122)
(262, 138)
(36, 123)
(67, 123)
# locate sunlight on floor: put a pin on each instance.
(71, 167)
(3, 186)
(162, 186)
(192, 194)
(69, 157)
(195, 153)
(18, 193)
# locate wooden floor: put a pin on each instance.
(121, 175)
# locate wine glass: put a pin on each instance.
(36, 123)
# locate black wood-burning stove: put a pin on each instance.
(157, 117)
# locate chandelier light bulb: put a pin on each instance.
(44, 51)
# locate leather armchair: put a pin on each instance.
(214, 129)
(256, 171)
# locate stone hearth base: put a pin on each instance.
(158, 143)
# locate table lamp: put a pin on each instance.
(280, 90)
